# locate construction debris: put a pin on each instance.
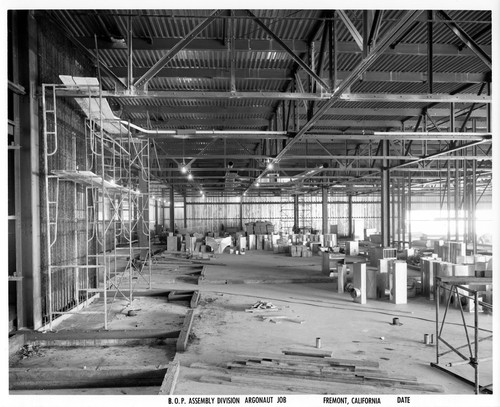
(276, 319)
(29, 350)
(263, 305)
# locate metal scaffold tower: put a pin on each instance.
(115, 190)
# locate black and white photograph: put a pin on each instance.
(266, 204)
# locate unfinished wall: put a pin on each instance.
(58, 56)
(207, 214)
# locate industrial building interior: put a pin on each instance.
(251, 202)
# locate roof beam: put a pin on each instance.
(200, 171)
(377, 20)
(257, 45)
(460, 33)
(284, 74)
(352, 97)
(440, 98)
(351, 28)
(290, 52)
(362, 67)
(175, 49)
(442, 155)
(264, 110)
(245, 123)
(437, 156)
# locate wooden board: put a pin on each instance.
(318, 353)
(170, 379)
(186, 329)
(92, 337)
(70, 377)
(311, 359)
(195, 299)
(350, 378)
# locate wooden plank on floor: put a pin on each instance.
(318, 353)
(323, 367)
(105, 335)
(96, 391)
(195, 299)
(170, 379)
(310, 359)
(343, 377)
(185, 331)
(180, 295)
(85, 377)
(202, 277)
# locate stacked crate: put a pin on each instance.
(300, 251)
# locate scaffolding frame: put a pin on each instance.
(117, 165)
(459, 287)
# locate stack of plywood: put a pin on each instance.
(314, 371)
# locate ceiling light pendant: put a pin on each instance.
(190, 177)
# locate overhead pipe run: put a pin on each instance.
(218, 133)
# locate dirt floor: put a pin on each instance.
(222, 330)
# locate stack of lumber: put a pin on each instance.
(315, 371)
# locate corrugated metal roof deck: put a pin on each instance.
(204, 66)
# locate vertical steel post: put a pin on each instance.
(403, 212)
(185, 211)
(241, 213)
(296, 211)
(473, 198)
(172, 209)
(448, 199)
(409, 210)
(393, 213)
(437, 295)
(456, 197)
(349, 216)
(324, 207)
(385, 191)
(476, 342)
(130, 72)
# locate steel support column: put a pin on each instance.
(185, 212)
(408, 207)
(296, 211)
(349, 216)
(385, 196)
(172, 209)
(324, 207)
(26, 28)
(241, 214)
